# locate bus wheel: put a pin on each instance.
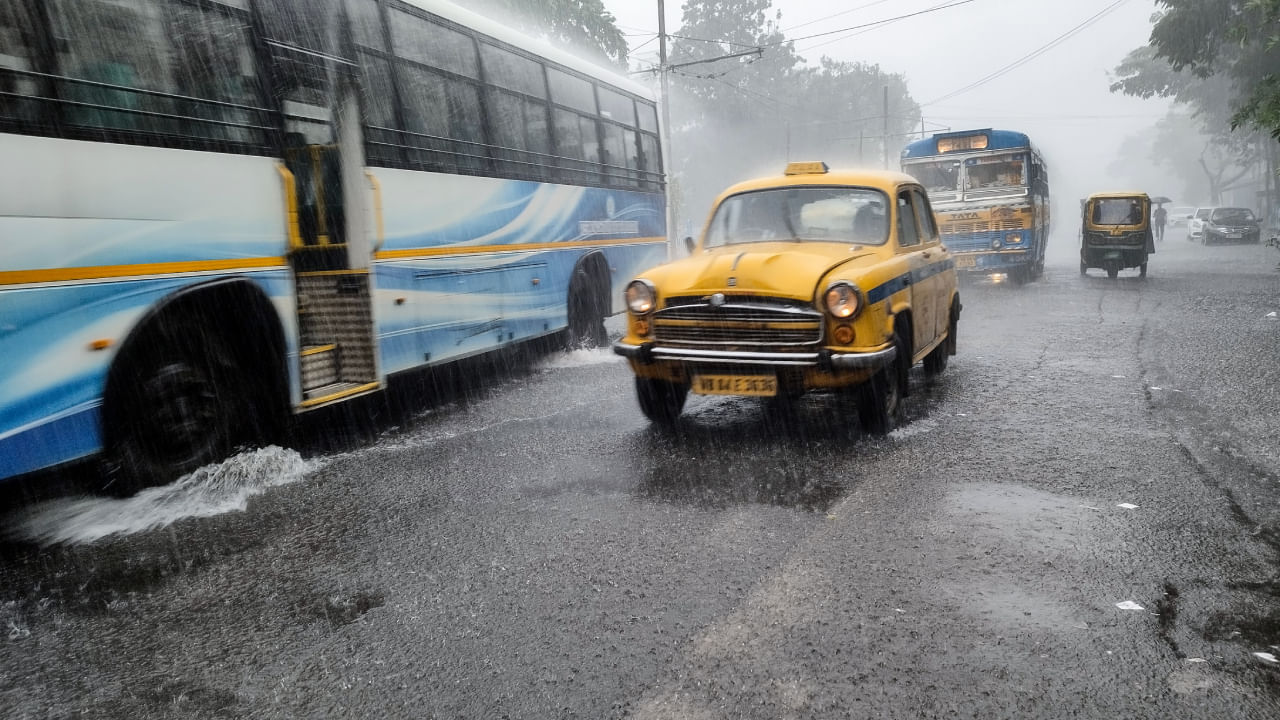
(879, 400)
(180, 407)
(587, 309)
(661, 401)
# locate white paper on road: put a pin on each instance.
(1128, 506)
(1272, 314)
(1129, 605)
(1266, 656)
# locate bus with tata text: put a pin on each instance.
(990, 191)
(218, 214)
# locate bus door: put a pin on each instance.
(327, 197)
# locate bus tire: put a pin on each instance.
(588, 304)
(661, 401)
(180, 407)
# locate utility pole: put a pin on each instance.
(663, 72)
(886, 127)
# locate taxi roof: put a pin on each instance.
(1135, 193)
(886, 180)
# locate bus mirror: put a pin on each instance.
(690, 245)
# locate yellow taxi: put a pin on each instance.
(812, 280)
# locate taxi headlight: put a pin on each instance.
(641, 297)
(842, 300)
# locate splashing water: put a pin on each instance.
(581, 358)
(211, 490)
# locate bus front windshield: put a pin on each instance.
(936, 176)
(827, 214)
(996, 172)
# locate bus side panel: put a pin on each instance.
(469, 264)
(52, 377)
(93, 236)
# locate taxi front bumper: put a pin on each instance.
(828, 360)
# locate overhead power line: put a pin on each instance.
(1031, 55)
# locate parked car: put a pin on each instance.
(1195, 223)
(1231, 224)
(1178, 216)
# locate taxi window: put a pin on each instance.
(907, 235)
(801, 214)
(924, 216)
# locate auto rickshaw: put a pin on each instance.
(1115, 232)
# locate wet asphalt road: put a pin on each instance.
(530, 548)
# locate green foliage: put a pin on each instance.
(584, 25)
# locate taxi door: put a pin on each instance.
(923, 306)
(939, 279)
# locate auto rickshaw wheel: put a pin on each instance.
(1113, 271)
(1142, 270)
(1084, 269)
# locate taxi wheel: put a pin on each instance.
(879, 400)
(936, 361)
(660, 401)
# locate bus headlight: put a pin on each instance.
(842, 300)
(1013, 238)
(641, 297)
(996, 244)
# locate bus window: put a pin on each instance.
(513, 72)
(519, 124)
(936, 176)
(648, 117)
(213, 61)
(572, 92)
(996, 172)
(17, 57)
(433, 44)
(304, 23)
(620, 153)
(617, 107)
(444, 116)
(577, 145)
(366, 23)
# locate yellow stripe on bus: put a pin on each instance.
(99, 272)
(522, 247)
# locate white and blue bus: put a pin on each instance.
(990, 191)
(215, 214)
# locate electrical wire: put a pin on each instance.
(1031, 55)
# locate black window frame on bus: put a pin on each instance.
(155, 105)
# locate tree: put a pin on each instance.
(739, 117)
(582, 24)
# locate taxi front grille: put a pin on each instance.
(743, 322)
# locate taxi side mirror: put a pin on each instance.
(690, 245)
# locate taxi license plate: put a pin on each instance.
(966, 261)
(761, 385)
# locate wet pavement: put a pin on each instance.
(528, 547)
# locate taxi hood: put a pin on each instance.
(780, 269)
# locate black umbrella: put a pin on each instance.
(1160, 200)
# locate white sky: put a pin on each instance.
(1060, 98)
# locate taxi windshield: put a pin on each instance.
(1117, 211)
(814, 213)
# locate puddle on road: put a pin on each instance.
(211, 490)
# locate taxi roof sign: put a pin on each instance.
(807, 168)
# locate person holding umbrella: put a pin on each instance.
(1159, 217)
